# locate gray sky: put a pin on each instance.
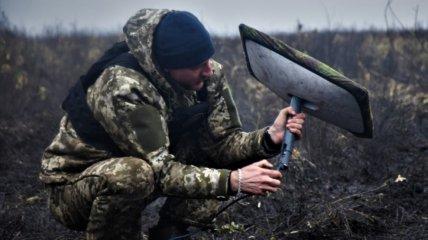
(218, 16)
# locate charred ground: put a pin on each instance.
(338, 187)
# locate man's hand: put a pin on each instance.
(294, 124)
(257, 178)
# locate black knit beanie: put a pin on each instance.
(181, 41)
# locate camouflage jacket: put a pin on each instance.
(135, 112)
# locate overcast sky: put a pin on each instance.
(219, 16)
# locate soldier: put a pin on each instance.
(155, 117)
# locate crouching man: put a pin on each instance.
(155, 117)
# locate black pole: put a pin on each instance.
(289, 138)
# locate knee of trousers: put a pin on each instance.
(127, 175)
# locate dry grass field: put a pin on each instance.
(338, 186)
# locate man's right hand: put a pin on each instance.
(257, 178)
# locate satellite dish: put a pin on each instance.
(324, 92)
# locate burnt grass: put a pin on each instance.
(338, 186)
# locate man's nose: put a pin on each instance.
(207, 70)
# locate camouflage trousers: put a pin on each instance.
(107, 199)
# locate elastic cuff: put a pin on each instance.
(269, 146)
(223, 184)
(230, 192)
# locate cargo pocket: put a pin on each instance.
(147, 123)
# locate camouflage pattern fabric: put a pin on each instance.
(106, 199)
(135, 110)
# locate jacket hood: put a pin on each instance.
(139, 34)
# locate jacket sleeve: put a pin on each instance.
(230, 145)
(133, 113)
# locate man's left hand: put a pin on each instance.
(294, 124)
